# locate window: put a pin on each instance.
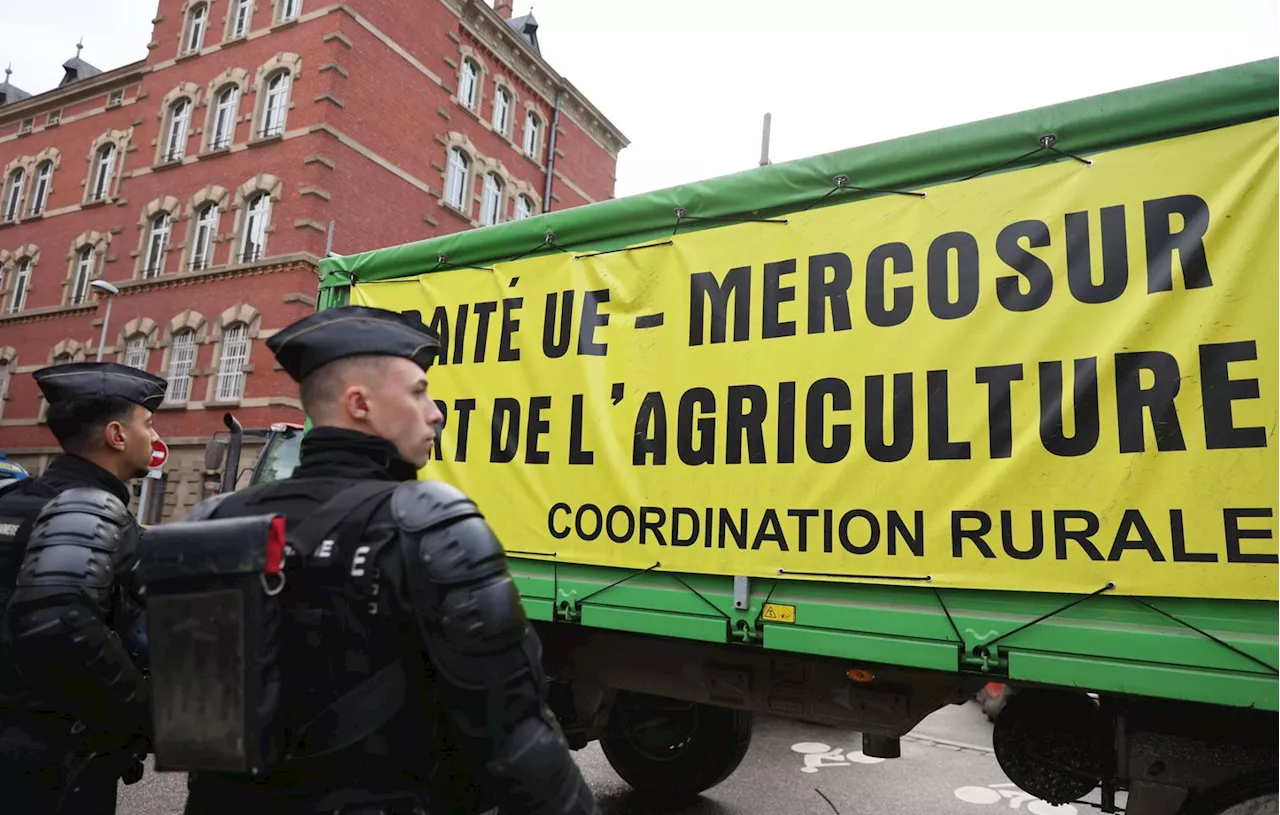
(491, 207)
(241, 15)
(13, 197)
(135, 352)
(84, 273)
(179, 120)
(456, 178)
(532, 135)
(224, 118)
(4, 378)
(102, 173)
(254, 241)
(196, 19)
(501, 110)
(115, 98)
(54, 117)
(64, 358)
(21, 283)
(468, 85)
(276, 105)
(182, 359)
(206, 230)
(157, 242)
(44, 174)
(235, 354)
(289, 9)
(524, 207)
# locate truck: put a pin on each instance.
(984, 410)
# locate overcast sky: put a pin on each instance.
(688, 81)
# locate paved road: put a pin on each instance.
(946, 768)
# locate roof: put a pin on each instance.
(9, 92)
(1108, 121)
(77, 69)
(527, 28)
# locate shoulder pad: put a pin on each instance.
(418, 506)
(88, 501)
(76, 540)
(206, 509)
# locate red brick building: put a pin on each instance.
(202, 183)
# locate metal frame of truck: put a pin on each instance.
(1173, 700)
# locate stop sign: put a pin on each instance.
(159, 454)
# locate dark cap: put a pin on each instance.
(60, 383)
(351, 331)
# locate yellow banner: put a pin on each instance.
(1052, 379)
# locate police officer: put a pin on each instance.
(420, 589)
(69, 688)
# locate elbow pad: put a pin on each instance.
(487, 657)
(57, 623)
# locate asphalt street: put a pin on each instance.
(794, 768)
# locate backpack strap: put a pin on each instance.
(356, 503)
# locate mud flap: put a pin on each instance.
(213, 621)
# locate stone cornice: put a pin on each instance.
(486, 25)
(80, 89)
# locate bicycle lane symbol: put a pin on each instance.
(818, 756)
(995, 793)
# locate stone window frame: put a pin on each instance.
(221, 199)
(188, 8)
(514, 105)
(260, 183)
(23, 163)
(460, 141)
(283, 61)
(54, 156)
(9, 272)
(517, 187)
(190, 92)
(8, 367)
(239, 314)
(138, 326)
(277, 12)
(532, 109)
(78, 351)
(120, 139)
(101, 242)
(238, 77)
(466, 52)
(187, 320)
(171, 205)
(228, 33)
(494, 167)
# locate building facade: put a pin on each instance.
(170, 214)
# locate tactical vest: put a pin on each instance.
(20, 505)
(271, 645)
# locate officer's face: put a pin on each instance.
(401, 410)
(134, 439)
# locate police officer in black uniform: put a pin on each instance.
(410, 678)
(71, 692)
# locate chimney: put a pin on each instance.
(504, 8)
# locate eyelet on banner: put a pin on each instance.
(266, 587)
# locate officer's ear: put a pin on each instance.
(355, 401)
(113, 435)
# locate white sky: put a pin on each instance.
(688, 81)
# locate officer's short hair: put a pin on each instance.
(321, 387)
(76, 422)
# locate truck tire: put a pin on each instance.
(672, 751)
(1251, 795)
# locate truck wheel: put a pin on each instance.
(1252, 795)
(671, 750)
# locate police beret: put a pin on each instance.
(350, 331)
(60, 383)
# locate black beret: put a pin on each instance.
(60, 383)
(350, 331)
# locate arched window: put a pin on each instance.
(197, 19)
(64, 358)
(491, 206)
(135, 351)
(288, 10)
(157, 243)
(13, 193)
(40, 191)
(241, 17)
(501, 111)
(83, 274)
(276, 106)
(224, 117)
(456, 178)
(182, 359)
(235, 355)
(206, 229)
(21, 284)
(524, 207)
(469, 84)
(103, 171)
(253, 239)
(175, 142)
(533, 135)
